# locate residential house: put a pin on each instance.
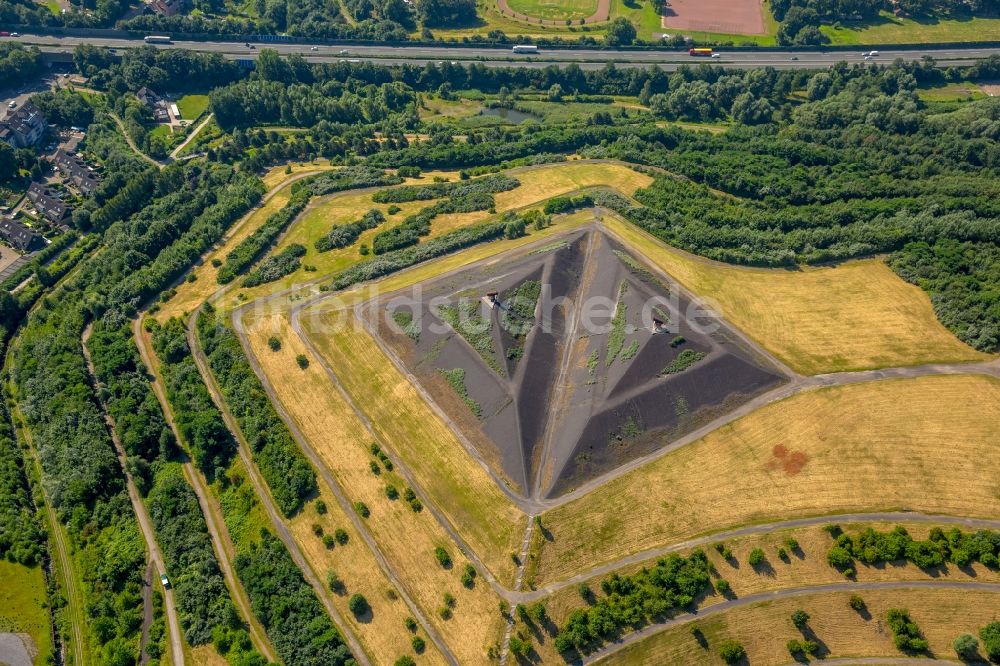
(47, 202)
(24, 127)
(154, 103)
(19, 236)
(165, 7)
(77, 172)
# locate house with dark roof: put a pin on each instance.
(77, 172)
(47, 202)
(165, 7)
(24, 127)
(19, 236)
(154, 103)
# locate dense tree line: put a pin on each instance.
(872, 548)
(18, 65)
(462, 197)
(281, 463)
(397, 260)
(197, 418)
(342, 235)
(253, 246)
(276, 266)
(629, 602)
(206, 611)
(81, 475)
(301, 631)
(241, 257)
(22, 539)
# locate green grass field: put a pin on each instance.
(952, 92)
(192, 106)
(555, 9)
(890, 29)
(22, 606)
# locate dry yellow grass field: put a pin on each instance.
(383, 634)
(924, 444)
(764, 629)
(457, 485)
(276, 175)
(407, 539)
(205, 655)
(807, 567)
(855, 316)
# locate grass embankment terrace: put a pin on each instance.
(858, 315)
(405, 537)
(191, 295)
(537, 185)
(922, 444)
(806, 566)
(764, 628)
(24, 606)
(555, 9)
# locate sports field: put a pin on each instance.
(763, 629)
(916, 444)
(555, 9)
(740, 17)
(855, 316)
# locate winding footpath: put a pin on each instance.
(141, 514)
(222, 543)
(751, 599)
(190, 137)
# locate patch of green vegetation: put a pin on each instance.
(642, 273)
(952, 92)
(890, 29)
(404, 319)
(467, 321)
(629, 352)
(23, 605)
(192, 106)
(555, 9)
(616, 338)
(684, 360)
(592, 362)
(550, 248)
(456, 377)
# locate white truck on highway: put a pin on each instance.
(525, 48)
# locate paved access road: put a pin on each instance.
(503, 57)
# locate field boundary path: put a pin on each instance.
(131, 143)
(334, 485)
(141, 514)
(264, 493)
(190, 137)
(653, 629)
(221, 542)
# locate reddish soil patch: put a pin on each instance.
(791, 462)
(735, 17)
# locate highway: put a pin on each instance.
(503, 57)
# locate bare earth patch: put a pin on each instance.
(735, 17)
